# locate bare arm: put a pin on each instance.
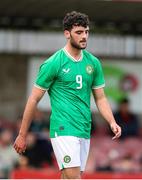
(105, 110)
(30, 108)
(34, 98)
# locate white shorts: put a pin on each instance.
(71, 151)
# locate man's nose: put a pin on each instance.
(84, 35)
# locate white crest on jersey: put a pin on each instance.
(89, 69)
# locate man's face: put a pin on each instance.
(78, 37)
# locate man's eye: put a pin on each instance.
(78, 32)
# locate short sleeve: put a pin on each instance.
(98, 80)
(46, 75)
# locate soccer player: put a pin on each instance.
(69, 76)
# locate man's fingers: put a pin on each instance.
(117, 135)
(19, 150)
(117, 131)
(114, 138)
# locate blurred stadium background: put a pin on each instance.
(30, 31)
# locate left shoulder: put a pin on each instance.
(91, 57)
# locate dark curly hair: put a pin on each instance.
(75, 19)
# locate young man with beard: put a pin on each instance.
(69, 76)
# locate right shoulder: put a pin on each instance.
(53, 62)
(54, 59)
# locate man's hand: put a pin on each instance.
(20, 144)
(116, 129)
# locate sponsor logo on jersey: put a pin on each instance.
(67, 159)
(89, 69)
(66, 70)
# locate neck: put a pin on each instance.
(75, 53)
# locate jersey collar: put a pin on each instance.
(71, 57)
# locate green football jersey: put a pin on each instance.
(69, 84)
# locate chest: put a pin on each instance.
(76, 74)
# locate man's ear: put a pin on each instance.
(67, 34)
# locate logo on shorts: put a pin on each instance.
(89, 69)
(67, 159)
